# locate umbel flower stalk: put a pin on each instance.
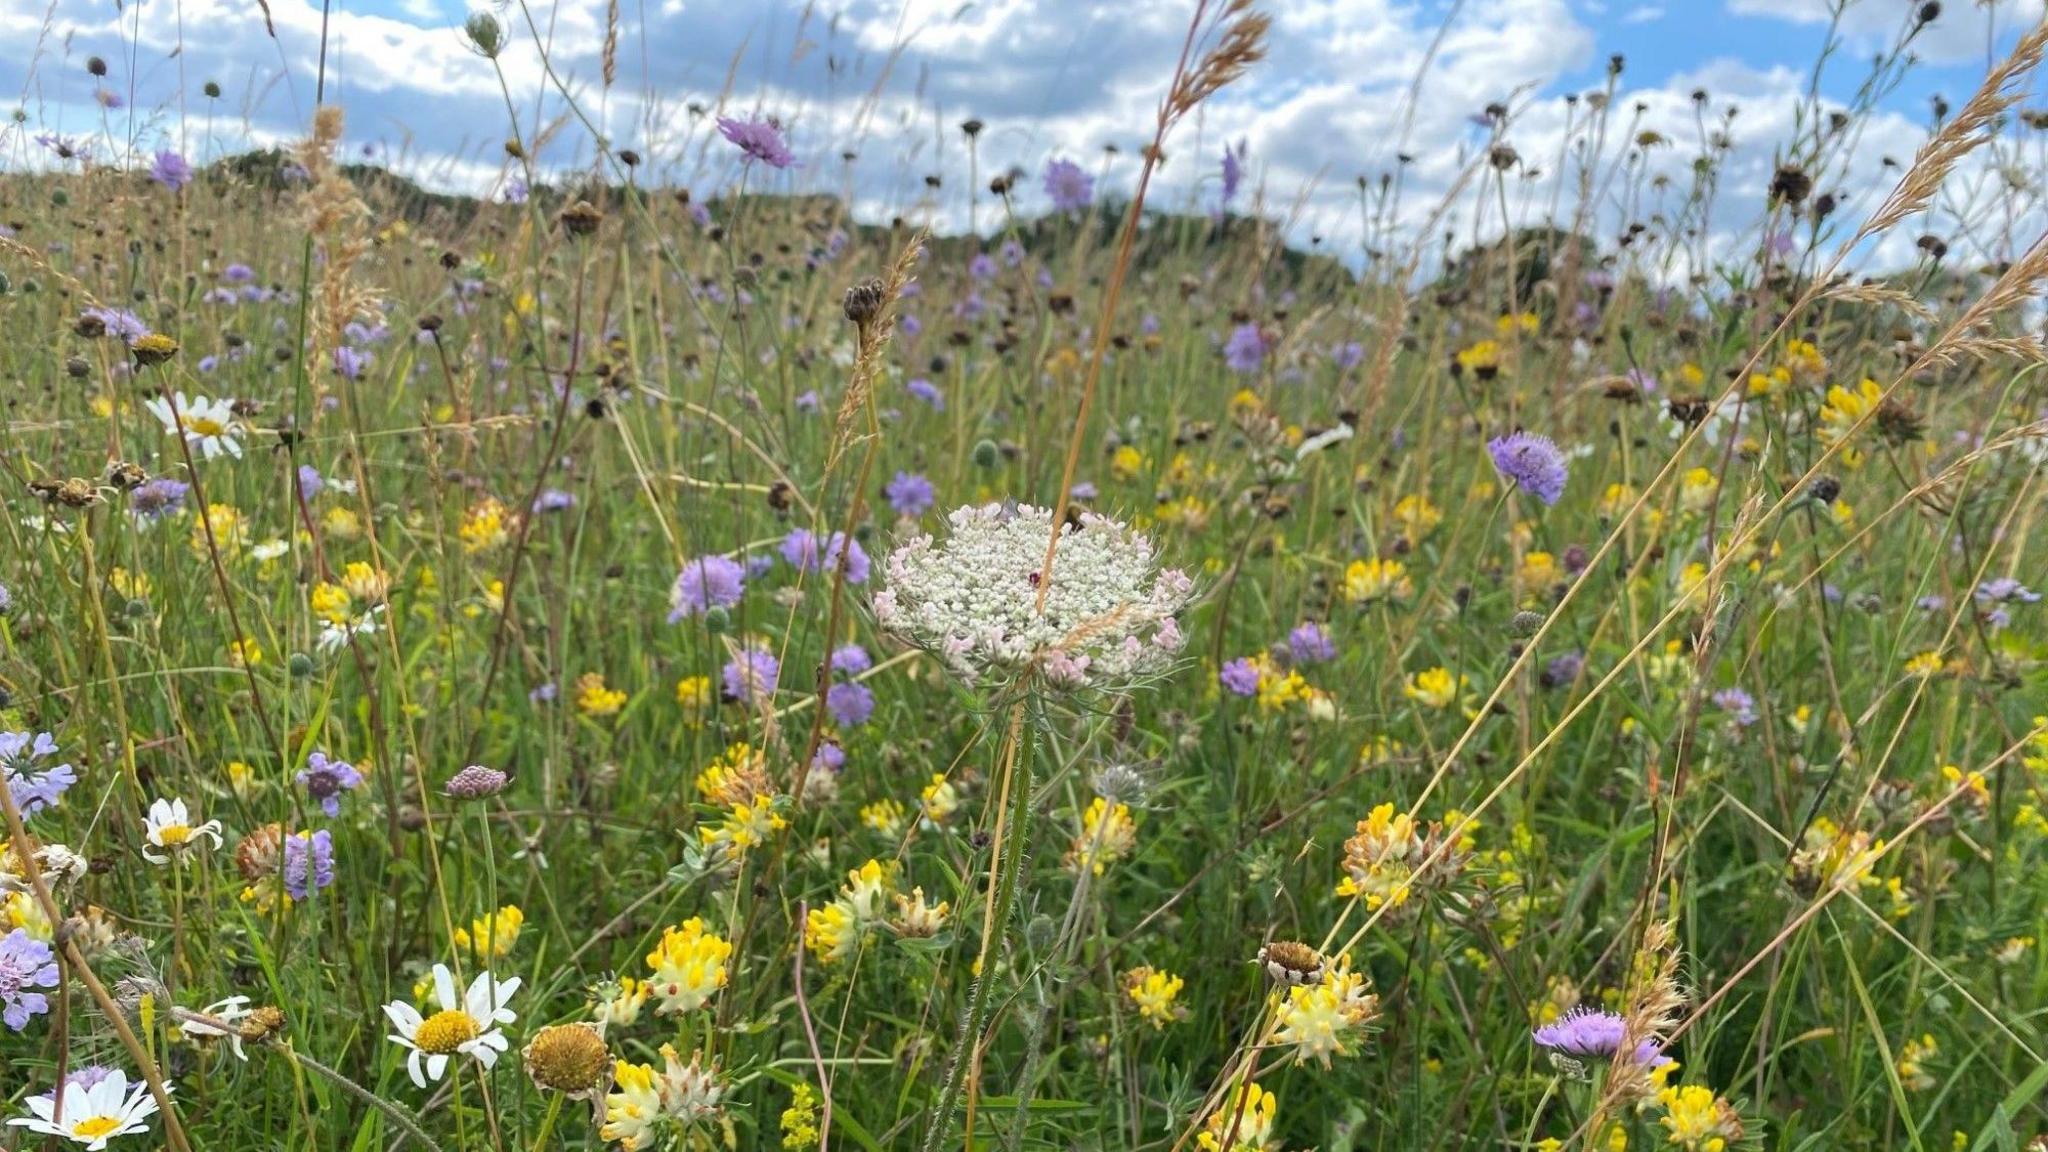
(979, 600)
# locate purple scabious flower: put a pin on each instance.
(158, 497)
(1563, 670)
(554, 500)
(1239, 677)
(1246, 349)
(26, 964)
(1309, 644)
(545, 694)
(311, 483)
(1071, 189)
(909, 494)
(705, 583)
(926, 391)
(170, 170)
(238, 274)
(35, 786)
(2005, 590)
(1348, 355)
(1739, 705)
(809, 401)
(119, 322)
(1532, 462)
(849, 704)
(759, 139)
(308, 863)
(850, 660)
(349, 363)
(800, 549)
(750, 676)
(325, 780)
(1233, 175)
(83, 1077)
(759, 565)
(982, 267)
(1588, 1032)
(857, 566)
(830, 757)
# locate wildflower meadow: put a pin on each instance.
(640, 643)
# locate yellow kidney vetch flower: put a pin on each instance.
(491, 937)
(1434, 688)
(486, 525)
(1374, 579)
(1126, 463)
(1153, 992)
(687, 967)
(594, 698)
(1417, 516)
(1697, 1119)
(1242, 1123)
(1844, 407)
(1106, 836)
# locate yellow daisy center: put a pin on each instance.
(204, 425)
(94, 1128)
(171, 835)
(444, 1032)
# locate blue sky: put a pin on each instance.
(1051, 77)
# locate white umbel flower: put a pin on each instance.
(92, 1115)
(207, 424)
(468, 1026)
(169, 830)
(1107, 619)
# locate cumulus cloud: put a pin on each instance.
(1348, 89)
(1965, 31)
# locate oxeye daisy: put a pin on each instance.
(207, 424)
(91, 1114)
(170, 831)
(468, 1026)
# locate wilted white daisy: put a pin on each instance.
(207, 424)
(468, 1026)
(220, 1020)
(334, 637)
(92, 1114)
(1108, 617)
(169, 830)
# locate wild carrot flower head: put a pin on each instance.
(1531, 462)
(1107, 618)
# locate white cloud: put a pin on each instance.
(1644, 14)
(1960, 35)
(891, 81)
